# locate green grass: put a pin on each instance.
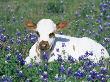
(53, 9)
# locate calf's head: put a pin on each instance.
(45, 29)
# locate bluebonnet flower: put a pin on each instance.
(33, 37)
(79, 74)
(107, 24)
(20, 59)
(8, 57)
(61, 69)
(18, 33)
(45, 56)
(93, 74)
(100, 28)
(103, 70)
(11, 41)
(71, 59)
(88, 65)
(19, 73)
(102, 78)
(69, 71)
(44, 77)
(89, 78)
(6, 79)
(46, 67)
(3, 38)
(45, 74)
(60, 60)
(19, 41)
(25, 40)
(30, 65)
(108, 17)
(2, 29)
(58, 78)
(8, 48)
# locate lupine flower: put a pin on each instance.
(100, 28)
(103, 70)
(45, 56)
(62, 69)
(108, 17)
(59, 59)
(8, 48)
(19, 73)
(44, 77)
(46, 67)
(89, 78)
(2, 29)
(18, 33)
(20, 58)
(11, 41)
(69, 71)
(79, 74)
(93, 74)
(33, 37)
(71, 59)
(58, 78)
(3, 38)
(30, 65)
(19, 41)
(8, 57)
(6, 79)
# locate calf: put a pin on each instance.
(56, 44)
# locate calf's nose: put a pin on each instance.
(44, 45)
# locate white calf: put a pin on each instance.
(56, 44)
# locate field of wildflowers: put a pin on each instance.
(90, 18)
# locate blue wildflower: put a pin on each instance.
(8, 48)
(69, 71)
(59, 59)
(62, 69)
(6, 79)
(71, 59)
(79, 74)
(45, 56)
(103, 70)
(19, 73)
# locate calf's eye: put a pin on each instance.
(38, 34)
(51, 35)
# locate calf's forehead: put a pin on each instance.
(46, 26)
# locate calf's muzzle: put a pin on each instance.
(44, 45)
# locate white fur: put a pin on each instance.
(74, 47)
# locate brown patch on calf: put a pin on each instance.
(37, 51)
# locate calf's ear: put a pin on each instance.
(30, 25)
(61, 25)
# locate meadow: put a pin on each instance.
(90, 18)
